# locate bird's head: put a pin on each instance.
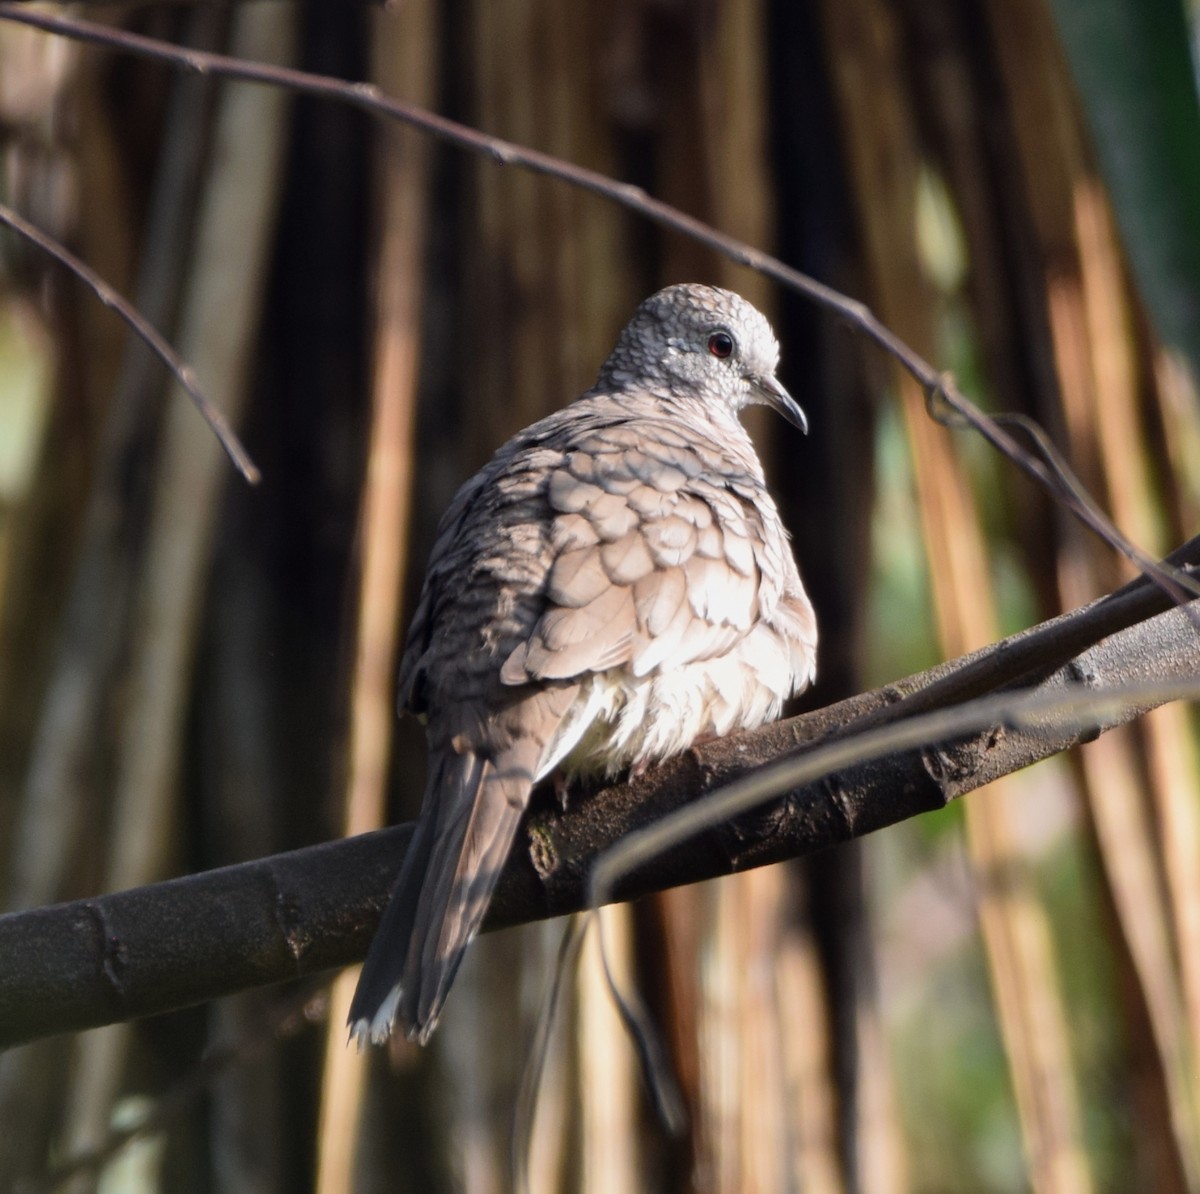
(702, 342)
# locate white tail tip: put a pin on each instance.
(376, 1030)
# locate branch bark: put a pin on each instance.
(170, 945)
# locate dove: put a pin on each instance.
(614, 585)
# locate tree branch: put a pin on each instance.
(181, 942)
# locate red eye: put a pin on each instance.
(720, 344)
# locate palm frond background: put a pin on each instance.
(1000, 997)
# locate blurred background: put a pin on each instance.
(1001, 997)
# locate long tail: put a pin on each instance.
(469, 818)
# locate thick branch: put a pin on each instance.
(173, 944)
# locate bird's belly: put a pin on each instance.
(621, 720)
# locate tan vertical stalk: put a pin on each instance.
(763, 1108)
(1174, 770)
(545, 296)
(742, 1027)
(48, 826)
(811, 1097)
(220, 316)
(1111, 779)
(1166, 744)
(732, 145)
(608, 1155)
(1180, 816)
(56, 842)
(39, 80)
(508, 320)
(882, 1156)
(42, 487)
(1153, 887)
(1179, 401)
(1176, 753)
(885, 161)
(1112, 769)
(405, 54)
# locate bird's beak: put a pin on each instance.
(772, 394)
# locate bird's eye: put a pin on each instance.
(720, 344)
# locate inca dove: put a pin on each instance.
(613, 585)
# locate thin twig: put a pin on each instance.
(663, 1088)
(566, 966)
(938, 387)
(1057, 462)
(145, 332)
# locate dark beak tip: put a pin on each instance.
(799, 419)
(778, 398)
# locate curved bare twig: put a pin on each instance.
(939, 387)
(145, 332)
